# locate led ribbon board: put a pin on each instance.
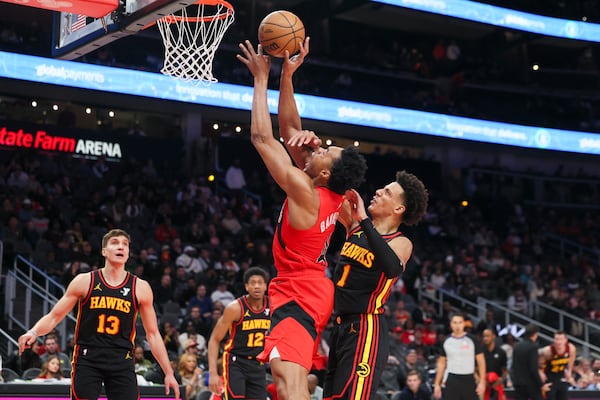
(504, 17)
(147, 84)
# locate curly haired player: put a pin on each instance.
(371, 259)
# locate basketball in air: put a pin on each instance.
(281, 31)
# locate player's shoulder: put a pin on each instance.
(400, 239)
(138, 278)
(141, 283)
(233, 310)
(547, 348)
(82, 279)
(236, 304)
(80, 284)
(545, 351)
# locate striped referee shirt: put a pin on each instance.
(460, 354)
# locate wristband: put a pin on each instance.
(33, 331)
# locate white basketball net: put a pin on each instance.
(192, 36)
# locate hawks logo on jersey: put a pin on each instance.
(110, 303)
(358, 253)
(256, 324)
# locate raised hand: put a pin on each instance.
(258, 63)
(357, 205)
(291, 64)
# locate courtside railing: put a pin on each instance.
(567, 247)
(29, 294)
(506, 317)
(561, 320)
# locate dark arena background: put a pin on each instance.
(494, 104)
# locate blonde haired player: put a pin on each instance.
(108, 301)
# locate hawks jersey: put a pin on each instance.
(298, 250)
(106, 317)
(556, 365)
(247, 336)
(361, 287)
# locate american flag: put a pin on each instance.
(77, 22)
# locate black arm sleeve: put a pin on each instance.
(386, 258)
(338, 237)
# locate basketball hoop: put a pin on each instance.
(192, 36)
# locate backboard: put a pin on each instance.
(75, 35)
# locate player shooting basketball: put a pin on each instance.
(301, 294)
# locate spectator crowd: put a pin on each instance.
(193, 243)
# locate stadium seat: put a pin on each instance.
(31, 373)
(8, 375)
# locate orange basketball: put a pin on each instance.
(281, 31)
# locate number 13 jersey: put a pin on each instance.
(106, 317)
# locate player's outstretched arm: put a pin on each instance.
(274, 155)
(232, 314)
(145, 298)
(76, 290)
(287, 114)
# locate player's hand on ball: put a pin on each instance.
(291, 64)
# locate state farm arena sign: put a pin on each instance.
(42, 140)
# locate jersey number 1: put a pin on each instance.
(342, 281)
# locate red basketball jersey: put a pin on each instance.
(300, 250)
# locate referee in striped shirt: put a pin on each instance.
(460, 352)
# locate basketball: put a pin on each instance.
(281, 31)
